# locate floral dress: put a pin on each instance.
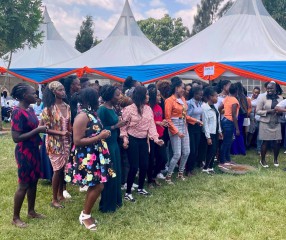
(90, 164)
(27, 152)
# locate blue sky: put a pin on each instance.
(68, 15)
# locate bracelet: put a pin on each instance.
(47, 129)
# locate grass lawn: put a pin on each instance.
(223, 206)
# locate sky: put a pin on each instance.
(67, 15)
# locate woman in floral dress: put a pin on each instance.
(91, 164)
(56, 116)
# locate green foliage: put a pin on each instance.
(84, 39)
(166, 32)
(19, 23)
(211, 10)
(277, 9)
(208, 11)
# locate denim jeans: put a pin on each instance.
(227, 129)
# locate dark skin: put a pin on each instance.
(113, 102)
(30, 189)
(80, 125)
(75, 86)
(271, 90)
(58, 176)
(211, 101)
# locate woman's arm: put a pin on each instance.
(168, 116)
(21, 137)
(234, 117)
(79, 126)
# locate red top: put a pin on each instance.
(158, 117)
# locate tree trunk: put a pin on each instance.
(1, 89)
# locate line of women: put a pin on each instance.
(156, 127)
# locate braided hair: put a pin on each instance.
(107, 92)
(19, 90)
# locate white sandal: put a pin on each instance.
(82, 217)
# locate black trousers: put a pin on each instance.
(157, 160)
(211, 152)
(195, 132)
(138, 157)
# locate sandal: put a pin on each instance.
(169, 180)
(181, 176)
(18, 223)
(82, 217)
(56, 206)
(36, 215)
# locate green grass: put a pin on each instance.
(223, 206)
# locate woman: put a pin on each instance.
(57, 117)
(195, 111)
(212, 128)
(91, 163)
(253, 122)
(158, 155)
(111, 194)
(140, 125)
(176, 116)
(228, 124)
(25, 132)
(238, 146)
(269, 126)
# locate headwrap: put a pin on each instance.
(54, 85)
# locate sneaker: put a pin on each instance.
(129, 197)
(143, 192)
(211, 171)
(205, 171)
(124, 187)
(135, 185)
(161, 176)
(66, 194)
(83, 189)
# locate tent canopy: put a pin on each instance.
(245, 41)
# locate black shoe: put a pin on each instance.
(129, 197)
(143, 192)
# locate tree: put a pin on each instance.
(166, 32)
(19, 24)
(208, 12)
(277, 9)
(84, 39)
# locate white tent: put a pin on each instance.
(53, 50)
(125, 46)
(246, 38)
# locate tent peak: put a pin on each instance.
(248, 7)
(127, 12)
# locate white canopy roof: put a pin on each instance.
(125, 46)
(53, 50)
(245, 33)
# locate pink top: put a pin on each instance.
(158, 117)
(139, 126)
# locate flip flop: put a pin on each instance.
(36, 215)
(19, 224)
(54, 206)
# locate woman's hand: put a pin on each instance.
(237, 132)
(181, 135)
(209, 141)
(164, 123)
(41, 129)
(125, 143)
(120, 124)
(160, 142)
(104, 134)
(66, 133)
(220, 136)
(200, 123)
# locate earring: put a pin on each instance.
(89, 108)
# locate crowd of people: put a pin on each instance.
(103, 138)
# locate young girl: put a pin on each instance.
(57, 117)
